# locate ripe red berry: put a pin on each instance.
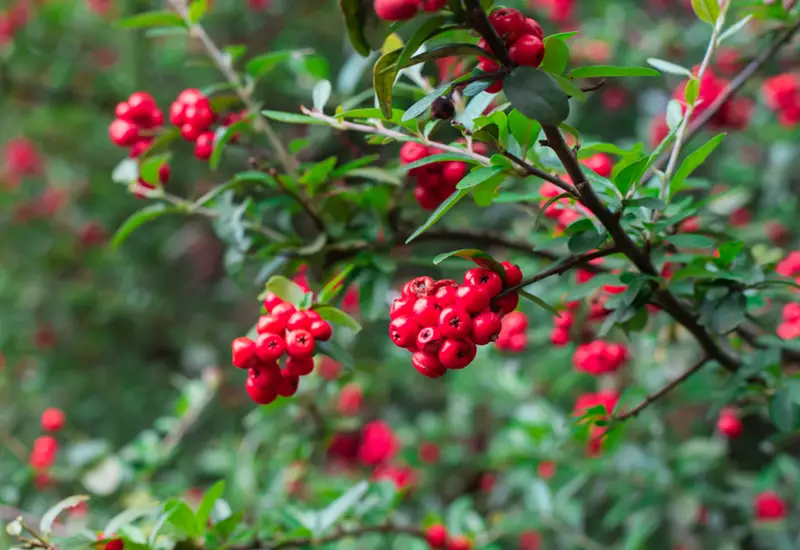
(509, 23)
(198, 115)
(426, 311)
(298, 320)
(527, 50)
(455, 322)
(288, 385)
(299, 366)
(600, 163)
(243, 351)
(486, 279)
(321, 331)
(559, 337)
(459, 542)
(412, 151)
(190, 133)
(472, 299)
(769, 506)
(427, 199)
(403, 331)
(513, 274)
(457, 354)
(427, 364)
(402, 306)
(446, 296)
(52, 419)
(431, 6)
(164, 173)
(488, 65)
(283, 312)
(429, 340)
(115, 544)
(299, 343)
(140, 106)
(190, 96)
(436, 536)
(123, 133)
(396, 10)
(263, 395)
(176, 113)
(485, 327)
(418, 287)
(265, 374)
(453, 172)
(495, 87)
(269, 347)
(533, 27)
(506, 304)
(729, 423)
(121, 110)
(270, 324)
(271, 300)
(204, 145)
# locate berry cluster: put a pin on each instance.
(438, 538)
(782, 94)
(45, 447)
(523, 38)
(442, 322)
(769, 506)
(12, 20)
(564, 210)
(607, 399)
(402, 10)
(734, 113)
(599, 357)
(513, 336)
(436, 181)
(20, 158)
(283, 331)
(790, 266)
(789, 329)
(729, 423)
(193, 114)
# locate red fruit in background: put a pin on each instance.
(164, 173)
(43, 453)
(52, 419)
(559, 337)
(769, 506)
(777, 232)
(427, 200)
(328, 369)
(299, 343)
(486, 279)
(198, 115)
(190, 133)
(658, 130)
(243, 351)
(455, 322)
(396, 10)
(740, 217)
(546, 469)
(350, 398)
(429, 453)
(378, 443)
(431, 6)
(527, 51)
(428, 364)
(436, 536)
(505, 304)
(321, 330)
(485, 327)
(530, 540)
(301, 366)
(513, 274)
(457, 354)
(600, 163)
(690, 225)
(261, 394)
(472, 299)
(403, 331)
(270, 324)
(258, 5)
(729, 424)
(429, 340)
(21, 158)
(123, 133)
(453, 171)
(781, 91)
(204, 145)
(412, 151)
(140, 106)
(460, 542)
(176, 110)
(92, 234)
(288, 384)
(509, 23)
(270, 347)
(115, 544)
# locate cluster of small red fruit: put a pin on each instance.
(607, 399)
(438, 538)
(193, 114)
(789, 328)
(782, 95)
(599, 357)
(435, 181)
(442, 322)
(285, 330)
(523, 38)
(513, 336)
(402, 10)
(45, 447)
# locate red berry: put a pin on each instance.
(288, 385)
(509, 23)
(140, 106)
(506, 304)
(457, 354)
(44, 451)
(401, 306)
(436, 536)
(427, 364)
(513, 274)
(488, 65)
(190, 133)
(198, 115)
(729, 424)
(559, 337)
(472, 299)
(486, 279)
(769, 506)
(396, 10)
(528, 51)
(418, 287)
(313, 315)
(283, 312)
(403, 331)
(176, 113)
(299, 366)
(298, 320)
(263, 395)
(204, 145)
(191, 96)
(533, 27)
(123, 133)
(321, 331)
(453, 171)
(426, 311)
(446, 296)
(265, 374)
(431, 6)
(600, 163)
(485, 327)
(164, 173)
(115, 544)
(270, 324)
(52, 419)
(271, 300)
(122, 109)
(269, 347)
(429, 340)
(427, 200)
(141, 145)
(299, 343)
(243, 351)
(459, 543)
(455, 322)
(412, 151)
(495, 87)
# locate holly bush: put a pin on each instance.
(491, 276)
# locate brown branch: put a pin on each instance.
(655, 396)
(302, 542)
(304, 203)
(480, 22)
(534, 171)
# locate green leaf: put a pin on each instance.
(706, 10)
(292, 118)
(647, 202)
(145, 215)
(423, 104)
(383, 76)
(728, 313)
(479, 175)
(446, 50)
(437, 214)
(534, 94)
(441, 157)
(49, 517)
(667, 67)
(152, 19)
(485, 192)
(263, 64)
(335, 352)
(539, 302)
(608, 71)
(225, 137)
(630, 175)
(689, 240)
(556, 55)
(691, 162)
(783, 411)
(149, 167)
(286, 289)
(318, 173)
(524, 130)
(364, 29)
(126, 517)
(735, 28)
(419, 37)
(585, 241)
(207, 504)
(374, 174)
(197, 9)
(337, 317)
(563, 35)
(692, 91)
(568, 87)
(334, 286)
(339, 507)
(321, 94)
(182, 517)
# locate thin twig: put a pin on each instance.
(655, 396)
(534, 171)
(307, 206)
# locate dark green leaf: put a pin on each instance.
(151, 19)
(337, 317)
(524, 130)
(556, 55)
(694, 160)
(688, 240)
(437, 214)
(728, 313)
(146, 214)
(383, 77)
(225, 137)
(209, 499)
(49, 517)
(364, 29)
(585, 241)
(607, 71)
(422, 106)
(479, 175)
(419, 37)
(539, 302)
(630, 175)
(286, 289)
(335, 352)
(783, 411)
(441, 157)
(263, 64)
(647, 202)
(534, 94)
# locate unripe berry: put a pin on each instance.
(429, 340)
(396, 10)
(243, 351)
(454, 171)
(472, 299)
(123, 133)
(299, 366)
(270, 324)
(528, 51)
(52, 419)
(299, 343)
(403, 331)
(443, 108)
(412, 151)
(455, 322)
(269, 347)
(298, 320)
(436, 536)
(321, 331)
(263, 395)
(426, 311)
(288, 385)
(457, 354)
(485, 327)
(513, 274)
(460, 542)
(428, 364)
(486, 279)
(204, 145)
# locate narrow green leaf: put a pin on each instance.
(568, 87)
(419, 37)
(182, 517)
(212, 495)
(689, 240)
(536, 95)
(337, 317)
(383, 77)
(335, 352)
(421, 106)
(556, 55)
(225, 137)
(441, 157)
(374, 174)
(693, 161)
(706, 10)
(479, 175)
(152, 19)
(735, 28)
(146, 214)
(668, 67)
(437, 214)
(197, 9)
(608, 71)
(339, 507)
(334, 286)
(263, 64)
(49, 517)
(292, 118)
(648, 202)
(539, 302)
